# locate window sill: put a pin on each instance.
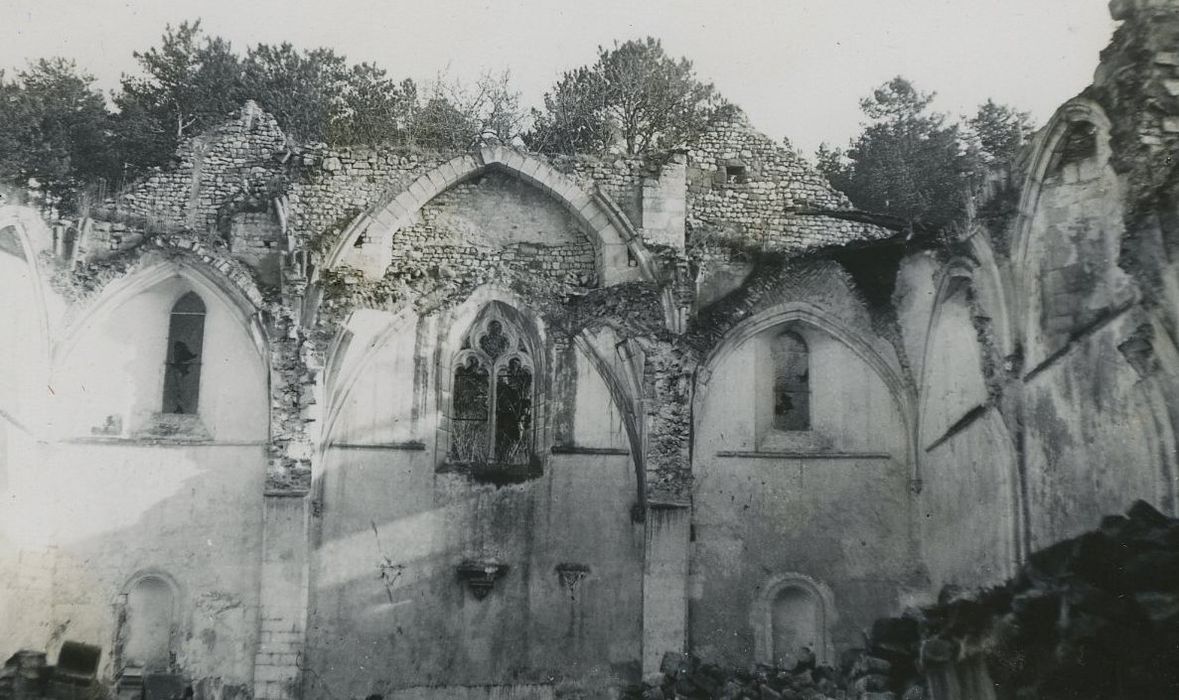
(494, 473)
(409, 446)
(174, 427)
(803, 454)
(794, 441)
(580, 450)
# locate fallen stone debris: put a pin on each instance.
(884, 670)
(1095, 617)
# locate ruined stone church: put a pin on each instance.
(286, 421)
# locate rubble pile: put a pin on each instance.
(884, 670)
(1096, 616)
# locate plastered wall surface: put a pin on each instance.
(831, 504)
(970, 399)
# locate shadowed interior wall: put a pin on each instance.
(105, 502)
(388, 607)
(1093, 429)
(968, 470)
(831, 504)
(389, 610)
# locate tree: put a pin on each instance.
(56, 135)
(634, 99)
(302, 89)
(371, 108)
(1000, 132)
(189, 83)
(908, 162)
(457, 116)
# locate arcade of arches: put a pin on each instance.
(516, 426)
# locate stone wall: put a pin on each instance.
(748, 190)
(967, 398)
(495, 219)
(390, 609)
(829, 505)
(232, 165)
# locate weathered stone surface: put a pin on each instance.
(965, 399)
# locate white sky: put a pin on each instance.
(797, 67)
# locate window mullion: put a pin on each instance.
(492, 379)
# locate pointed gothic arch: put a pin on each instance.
(613, 236)
(24, 236)
(203, 278)
(807, 314)
(1025, 253)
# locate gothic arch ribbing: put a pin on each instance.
(612, 235)
(811, 315)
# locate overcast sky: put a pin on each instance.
(797, 67)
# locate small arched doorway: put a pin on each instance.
(147, 625)
(792, 613)
(796, 623)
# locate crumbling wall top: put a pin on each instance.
(1125, 9)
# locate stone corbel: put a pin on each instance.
(571, 575)
(480, 576)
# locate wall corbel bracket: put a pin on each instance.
(480, 576)
(572, 574)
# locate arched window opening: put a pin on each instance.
(182, 369)
(147, 625)
(492, 396)
(796, 622)
(792, 389)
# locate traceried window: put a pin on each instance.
(182, 368)
(792, 386)
(492, 395)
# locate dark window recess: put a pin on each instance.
(10, 243)
(182, 369)
(792, 388)
(472, 396)
(491, 422)
(1079, 143)
(735, 174)
(513, 413)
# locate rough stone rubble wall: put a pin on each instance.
(431, 244)
(759, 208)
(228, 164)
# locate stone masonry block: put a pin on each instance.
(568, 189)
(587, 210)
(579, 201)
(395, 214)
(514, 160)
(407, 201)
(531, 167)
(383, 219)
(437, 180)
(599, 221)
(491, 154)
(448, 172)
(422, 190)
(548, 177)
